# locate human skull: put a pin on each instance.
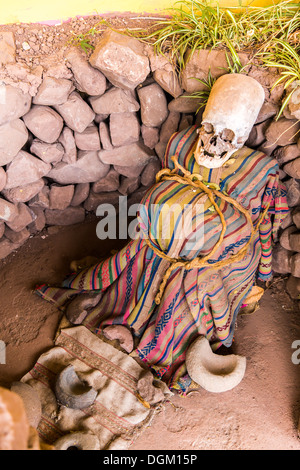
(231, 111)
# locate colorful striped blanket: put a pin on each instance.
(202, 301)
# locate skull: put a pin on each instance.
(231, 111)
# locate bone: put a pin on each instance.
(72, 392)
(212, 372)
(79, 441)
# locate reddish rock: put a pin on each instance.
(185, 104)
(285, 237)
(115, 100)
(136, 154)
(150, 136)
(88, 79)
(78, 308)
(287, 221)
(128, 185)
(154, 106)
(110, 182)
(87, 169)
(53, 91)
(18, 238)
(293, 287)
(293, 168)
(2, 178)
(293, 192)
(120, 333)
(24, 193)
(76, 112)
(6, 247)
(257, 134)
(160, 149)
(8, 211)
(105, 136)
(67, 140)
(49, 153)
(96, 199)
(24, 217)
(267, 148)
(25, 169)
(128, 171)
(267, 111)
(124, 129)
(287, 153)
(281, 260)
(148, 391)
(39, 222)
(294, 240)
(283, 132)
(88, 139)
(13, 103)
(13, 136)
(7, 48)
(121, 58)
(60, 197)
(41, 199)
(150, 171)
(185, 122)
(169, 127)
(295, 265)
(69, 216)
(2, 229)
(44, 123)
(80, 194)
(168, 80)
(100, 118)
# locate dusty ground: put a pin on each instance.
(261, 413)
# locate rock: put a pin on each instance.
(8, 211)
(128, 171)
(88, 139)
(154, 106)
(31, 402)
(160, 149)
(132, 155)
(105, 136)
(13, 136)
(285, 237)
(150, 136)
(120, 333)
(198, 65)
(18, 238)
(169, 81)
(115, 100)
(60, 197)
(7, 48)
(292, 287)
(128, 185)
(169, 127)
(96, 199)
(121, 59)
(110, 182)
(293, 168)
(13, 103)
(69, 216)
(185, 122)
(150, 171)
(287, 221)
(294, 104)
(80, 194)
(2, 229)
(41, 200)
(53, 91)
(87, 169)
(49, 153)
(25, 169)
(124, 129)
(76, 112)
(44, 123)
(88, 79)
(281, 260)
(293, 192)
(2, 178)
(6, 247)
(267, 148)
(24, 217)
(185, 104)
(267, 111)
(23, 193)
(294, 240)
(296, 217)
(286, 154)
(77, 309)
(100, 118)
(295, 265)
(68, 142)
(39, 222)
(283, 132)
(257, 134)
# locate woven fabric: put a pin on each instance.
(202, 301)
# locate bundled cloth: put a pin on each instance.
(177, 221)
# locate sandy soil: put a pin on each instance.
(261, 413)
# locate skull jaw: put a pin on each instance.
(211, 160)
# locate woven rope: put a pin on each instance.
(195, 180)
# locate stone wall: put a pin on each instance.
(88, 131)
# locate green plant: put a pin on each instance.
(203, 94)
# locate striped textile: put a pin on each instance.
(202, 301)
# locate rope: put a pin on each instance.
(196, 181)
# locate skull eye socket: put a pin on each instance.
(213, 140)
(227, 135)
